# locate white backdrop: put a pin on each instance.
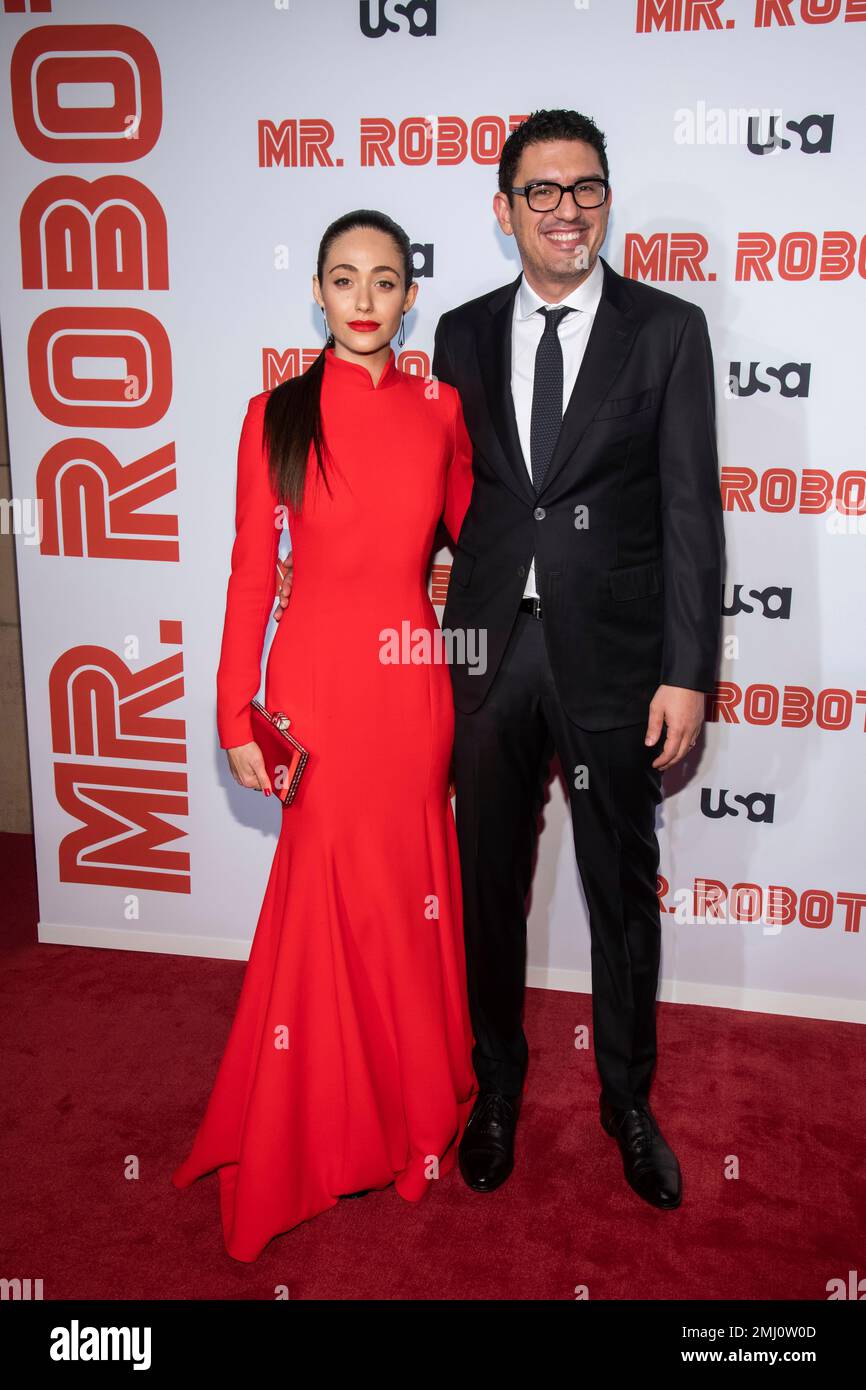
(229, 135)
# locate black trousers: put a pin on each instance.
(502, 754)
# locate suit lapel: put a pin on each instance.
(609, 343)
(494, 355)
(610, 340)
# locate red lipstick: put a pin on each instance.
(364, 325)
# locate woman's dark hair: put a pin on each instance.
(293, 414)
(547, 125)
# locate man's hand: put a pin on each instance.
(285, 569)
(248, 767)
(682, 712)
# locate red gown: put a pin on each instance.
(348, 1064)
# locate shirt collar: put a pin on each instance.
(354, 375)
(585, 297)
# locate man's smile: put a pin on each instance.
(563, 236)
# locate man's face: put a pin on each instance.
(559, 248)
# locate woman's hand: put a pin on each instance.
(248, 767)
(287, 573)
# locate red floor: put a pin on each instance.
(111, 1054)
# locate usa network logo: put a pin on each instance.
(790, 381)
(813, 135)
(417, 18)
(771, 602)
(759, 807)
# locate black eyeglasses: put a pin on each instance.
(544, 196)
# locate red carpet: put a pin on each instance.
(109, 1054)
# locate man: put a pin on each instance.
(592, 554)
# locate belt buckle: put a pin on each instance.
(536, 606)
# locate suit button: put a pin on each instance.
(539, 513)
(521, 571)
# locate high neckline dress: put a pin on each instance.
(348, 1064)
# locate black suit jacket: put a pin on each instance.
(627, 529)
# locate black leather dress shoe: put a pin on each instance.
(649, 1163)
(486, 1152)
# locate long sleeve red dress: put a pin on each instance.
(348, 1064)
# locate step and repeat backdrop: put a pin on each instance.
(168, 170)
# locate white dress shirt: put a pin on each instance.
(527, 327)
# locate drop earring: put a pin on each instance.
(401, 336)
(329, 337)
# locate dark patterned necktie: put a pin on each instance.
(546, 418)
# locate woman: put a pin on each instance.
(348, 1066)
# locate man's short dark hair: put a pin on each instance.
(548, 125)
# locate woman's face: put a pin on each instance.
(362, 290)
